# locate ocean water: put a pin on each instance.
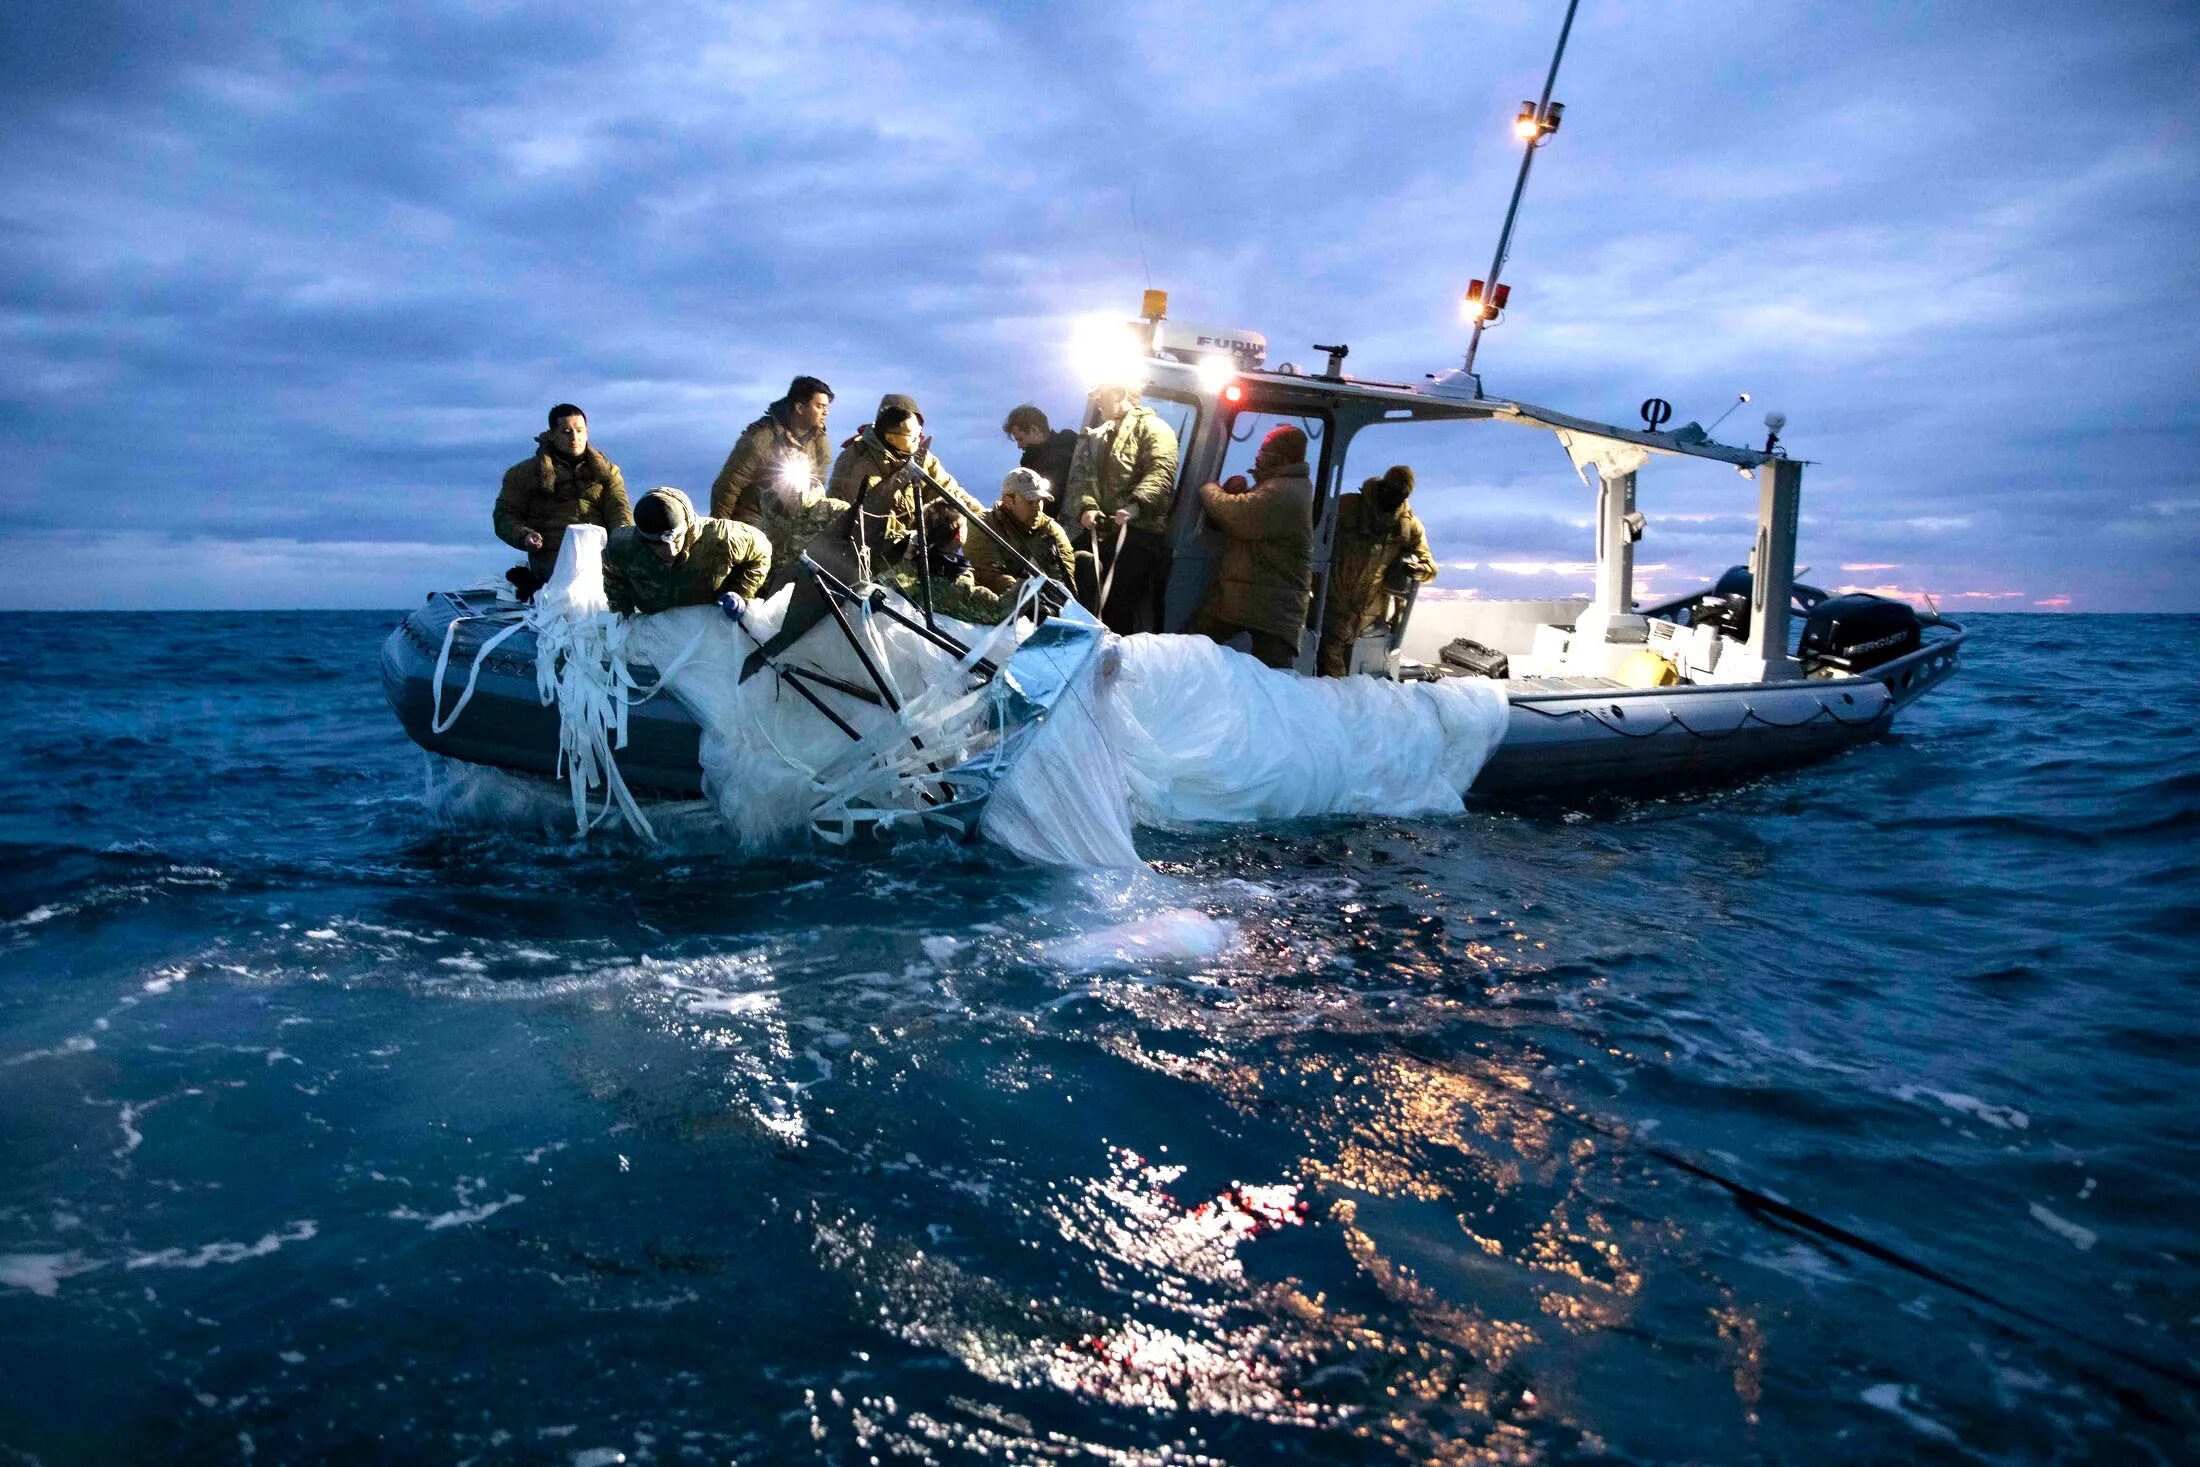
(336, 1125)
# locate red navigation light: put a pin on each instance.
(1484, 302)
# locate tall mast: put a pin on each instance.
(1537, 121)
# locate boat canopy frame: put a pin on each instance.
(1610, 453)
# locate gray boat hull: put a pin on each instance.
(505, 724)
(1628, 738)
(1563, 736)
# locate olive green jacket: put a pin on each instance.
(1267, 552)
(549, 491)
(791, 527)
(764, 448)
(1127, 464)
(1045, 545)
(1368, 543)
(724, 555)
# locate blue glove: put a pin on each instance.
(733, 604)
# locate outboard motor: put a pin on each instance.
(1851, 634)
(1726, 605)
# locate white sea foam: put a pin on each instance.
(1895, 1400)
(475, 796)
(74, 1044)
(42, 1273)
(732, 1003)
(2076, 1235)
(465, 1214)
(2000, 1117)
(1178, 935)
(132, 1137)
(225, 1252)
(457, 1217)
(1800, 1261)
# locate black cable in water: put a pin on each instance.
(1787, 1212)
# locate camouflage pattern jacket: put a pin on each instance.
(767, 448)
(549, 491)
(723, 555)
(1127, 464)
(790, 526)
(1046, 545)
(961, 598)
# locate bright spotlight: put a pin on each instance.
(1104, 350)
(1215, 372)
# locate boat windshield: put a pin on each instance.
(1247, 430)
(1180, 413)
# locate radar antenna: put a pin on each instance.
(1536, 122)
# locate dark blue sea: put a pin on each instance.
(1847, 1115)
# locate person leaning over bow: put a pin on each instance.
(1021, 520)
(1267, 552)
(1121, 482)
(787, 445)
(869, 470)
(670, 556)
(567, 482)
(1046, 452)
(1379, 543)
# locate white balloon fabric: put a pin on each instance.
(1176, 731)
(1156, 731)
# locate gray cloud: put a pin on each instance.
(284, 283)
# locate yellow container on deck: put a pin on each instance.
(1643, 668)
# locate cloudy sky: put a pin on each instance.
(285, 287)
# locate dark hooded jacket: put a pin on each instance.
(766, 447)
(550, 491)
(1051, 460)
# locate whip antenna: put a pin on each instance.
(1486, 299)
(1139, 229)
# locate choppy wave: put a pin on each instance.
(330, 1118)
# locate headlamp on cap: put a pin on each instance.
(661, 516)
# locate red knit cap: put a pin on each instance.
(1285, 445)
